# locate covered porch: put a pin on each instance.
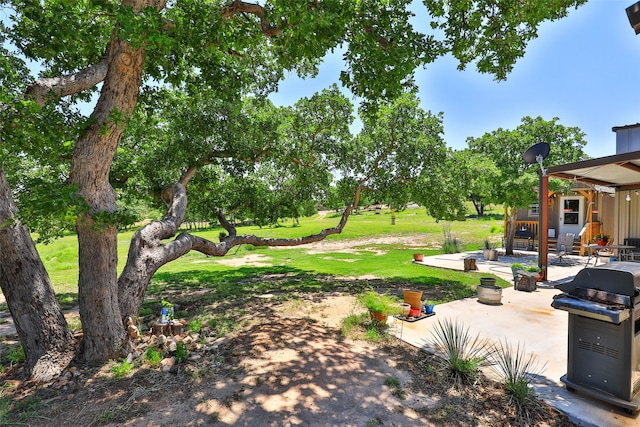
(614, 177)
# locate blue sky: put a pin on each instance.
(583, 69)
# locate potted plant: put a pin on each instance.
(516, 266)
(380, 306)
(418, 257)
(601, 239)
(489, 252)
(429, 306)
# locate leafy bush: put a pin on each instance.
(153, 357)
(145, 311)
(16, 355)
(382, 303)
(182, 352)
(195, 325)
(462, 353)
(121, 369)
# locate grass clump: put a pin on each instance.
(351, 324)
(360, 327)
(462, 353)
(396, 390)
(451, 244)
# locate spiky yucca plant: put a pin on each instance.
(451, 244)
(517, 369)
(462, 353)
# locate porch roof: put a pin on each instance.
(620, 171)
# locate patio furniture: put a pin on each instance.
(618, 252)
(564, 247)
(634, 253)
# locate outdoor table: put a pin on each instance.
(621, 252)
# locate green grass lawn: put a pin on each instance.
(296, 269)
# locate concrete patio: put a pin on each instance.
(526, 318)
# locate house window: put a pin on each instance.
(534, 210)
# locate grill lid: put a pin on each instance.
(621, 278)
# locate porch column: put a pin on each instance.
(543, 226)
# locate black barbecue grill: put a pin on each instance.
(604, 333)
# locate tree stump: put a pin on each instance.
(527, 282)
(167, 329)
(470, 264)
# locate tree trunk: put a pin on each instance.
(41, 326)
(510, 232)
(102, 325)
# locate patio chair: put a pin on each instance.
(564, 247)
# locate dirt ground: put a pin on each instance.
(290, 366)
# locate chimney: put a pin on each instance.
(627, 138)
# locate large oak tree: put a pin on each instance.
(514, 182)
(120, 50)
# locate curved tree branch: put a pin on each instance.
(43, 90)
(147, 253)
(240, 7)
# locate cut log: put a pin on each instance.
(175, 327)
(470, 264)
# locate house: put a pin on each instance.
(605, 197)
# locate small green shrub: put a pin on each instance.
(15, 355)
(153, 357)
(121, 369)
(182, 353)
(382, 303)
(195, 325)
(462, 353)
(145, 311)
(496, 229)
